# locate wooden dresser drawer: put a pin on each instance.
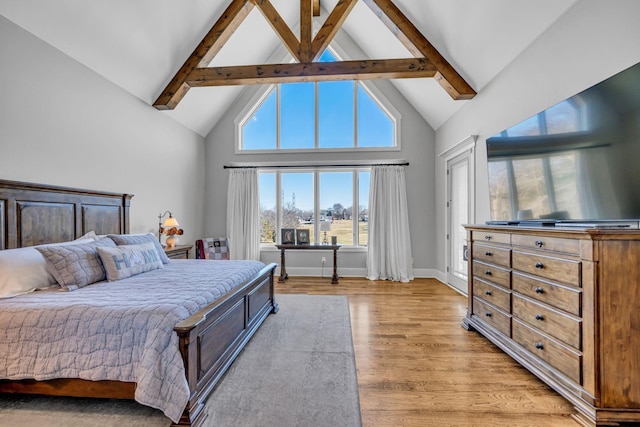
(493, 316)
(555, 244)
(562, 358)
(557, 269)
(491, 237)
(564, 298)
(492, 273)
(492, 254)
(561, 326)
(493, 294)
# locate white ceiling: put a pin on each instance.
(140, 44)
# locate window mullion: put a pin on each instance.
(355, 207)
(316, 206)
(278, 115)
(316, 114)
(355, 114)
(278, 206)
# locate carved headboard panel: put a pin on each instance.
(34, 214)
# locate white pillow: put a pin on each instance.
(24, 270)
(128, 260)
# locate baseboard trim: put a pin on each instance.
(419, 273)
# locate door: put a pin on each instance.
(458, 210)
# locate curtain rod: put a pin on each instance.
(352, 165)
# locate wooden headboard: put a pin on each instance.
(34, 214)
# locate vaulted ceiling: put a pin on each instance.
(140, 45)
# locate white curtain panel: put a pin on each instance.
(243, 214)
(389, 249)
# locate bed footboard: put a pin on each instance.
(211, 339)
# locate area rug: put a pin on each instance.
(298, 370)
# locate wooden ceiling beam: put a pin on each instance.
(316, 7)
(331, 26)
(419, 46)
(280, 26)
(306, 30)
(312, 72)
(428, 61)
(215, 39)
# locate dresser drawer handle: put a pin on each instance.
(488, 253)
(488, 314)
(487, 293)
(488, 272)
(539, 345)
(539, 265)
(539, 291)
(487, 237)
(539, 317)
(539, 243)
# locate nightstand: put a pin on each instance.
(178, 251)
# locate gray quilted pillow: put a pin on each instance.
(137, 239)
(75, 266)
(128, 260)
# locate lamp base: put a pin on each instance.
(172, 241)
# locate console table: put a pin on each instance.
(283, 270)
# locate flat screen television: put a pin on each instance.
(577, 162)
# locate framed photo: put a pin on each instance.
(302, 235)
(288, 236)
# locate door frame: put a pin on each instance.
(466, 147)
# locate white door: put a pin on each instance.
(458, 203)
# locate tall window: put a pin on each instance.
(326, 202)
(321, 115)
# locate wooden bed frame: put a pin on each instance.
(209, 340)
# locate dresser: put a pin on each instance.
(564, 303)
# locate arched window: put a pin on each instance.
(336, 115)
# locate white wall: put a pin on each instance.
(417, 147)
(591, 42)
(63, 124)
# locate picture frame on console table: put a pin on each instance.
(288, 236)
(302, 236)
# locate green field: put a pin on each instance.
(343, 228)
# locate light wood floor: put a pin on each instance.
(418, 367)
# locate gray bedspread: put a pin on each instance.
(119, 330)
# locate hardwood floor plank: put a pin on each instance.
(417, 366)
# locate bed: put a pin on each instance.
(207, 335)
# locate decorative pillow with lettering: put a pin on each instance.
(136, 239)
(75, 266)
(128, 260)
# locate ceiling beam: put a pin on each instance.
(427, 62)
(419, 46)
(281, 28)
(316, 7)
(312, 72)
(330, 27)
(209, 47)
(306, 30)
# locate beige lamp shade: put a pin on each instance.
(170, 222)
